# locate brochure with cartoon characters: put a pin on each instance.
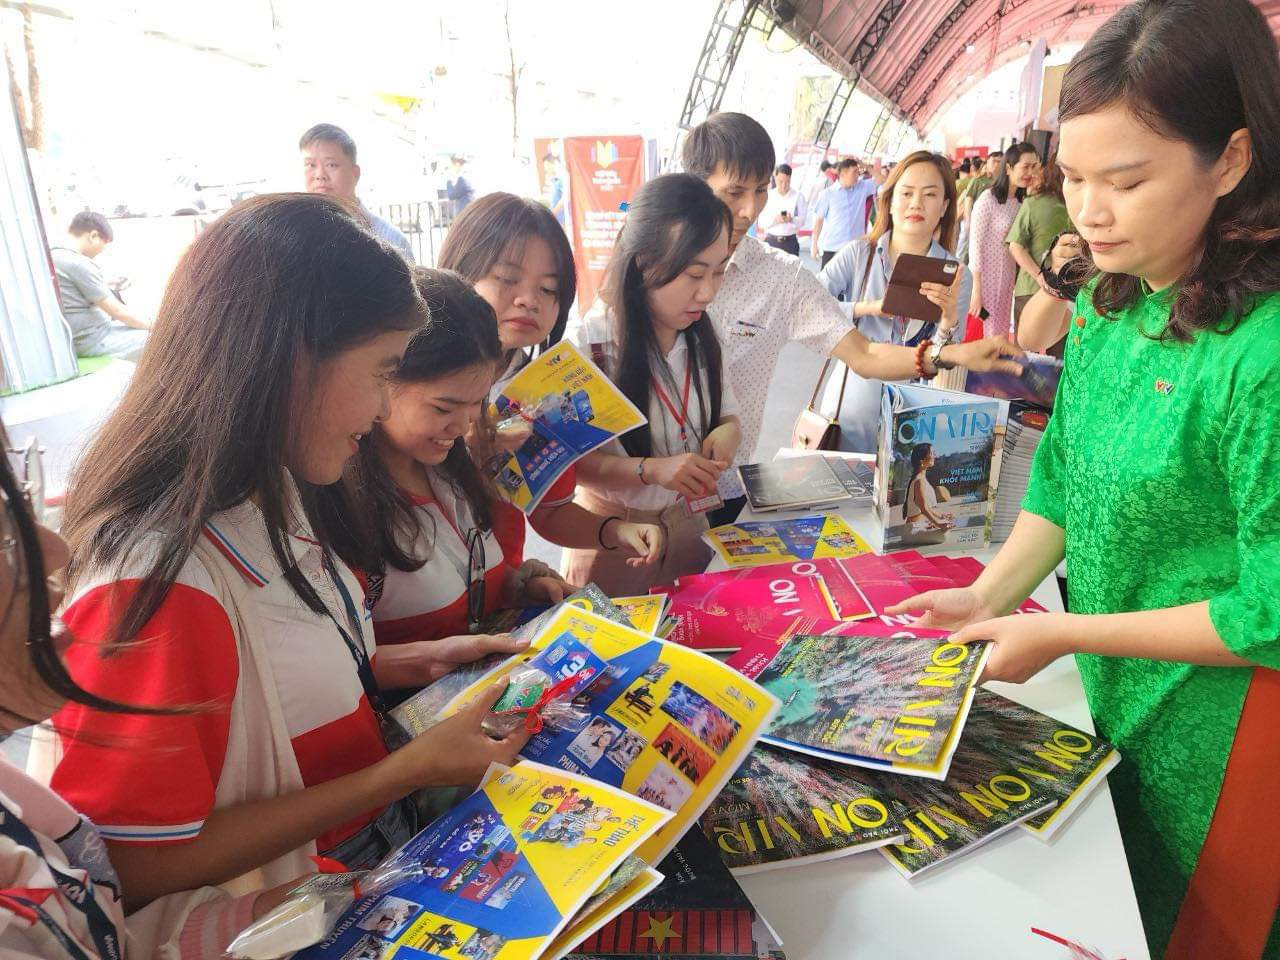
(568, 407)
(503, 872)
(665, 723)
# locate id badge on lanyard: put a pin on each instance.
(712, 500)
(393, 735)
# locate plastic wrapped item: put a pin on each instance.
(313, 907)
(534, 700)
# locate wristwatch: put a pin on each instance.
(935, 356)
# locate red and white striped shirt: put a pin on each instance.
(431, 602)
(153, 779)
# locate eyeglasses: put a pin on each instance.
(477, 563)
(10, 539)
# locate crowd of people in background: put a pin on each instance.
(286, 523)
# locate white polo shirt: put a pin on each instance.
(768, 300)
(599, 326)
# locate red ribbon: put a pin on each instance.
(533, 715)
(15, 900)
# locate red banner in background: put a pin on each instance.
(604, 172)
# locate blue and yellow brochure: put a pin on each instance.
(570, 408)
(752, 543)
(504, 872)
(664, 723)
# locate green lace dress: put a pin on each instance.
(1162, 464)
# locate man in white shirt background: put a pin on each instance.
(769, 298)
(784, 214)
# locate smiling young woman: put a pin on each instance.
(1157, 475)
(201, 576)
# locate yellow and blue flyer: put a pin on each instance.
(662, 722)
(570, 408)
(504, 872)
(644, 612)
(752, 543)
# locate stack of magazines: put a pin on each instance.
(1023, 433)
(802, 483)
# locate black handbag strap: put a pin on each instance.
(826, 364)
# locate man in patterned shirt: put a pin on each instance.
(769, 299)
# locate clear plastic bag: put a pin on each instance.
(535, 701)
(314, 906)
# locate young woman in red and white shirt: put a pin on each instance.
(200, 578)
(517, 257)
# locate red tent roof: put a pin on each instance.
(919, 56)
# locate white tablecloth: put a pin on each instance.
(983, 904)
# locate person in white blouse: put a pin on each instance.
(769, 299)
(652, 336)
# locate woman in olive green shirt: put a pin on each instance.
(1159, 474)
(1042, 216)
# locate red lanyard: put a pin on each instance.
(681, 417)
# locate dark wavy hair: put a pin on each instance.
(1196, 71)
(1002, 184)
(671, 220)
(207, 418)
(461, 333)
(501, 223)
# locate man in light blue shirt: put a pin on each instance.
(329, 167)
(840, 212)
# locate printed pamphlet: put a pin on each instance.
(665, 723)
(504, 871)
(570, 408)
(755, 542)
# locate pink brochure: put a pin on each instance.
(723, 616)
(849, 602)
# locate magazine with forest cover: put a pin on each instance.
(849, 601)
(751, 543)
(569, 408)
(890, 703)
(985, 794)
(503, 872)
(1063, 761)
(421, 711)
(783, 808)
(797, 483)
(936, 467)
(661, 721)
(720, 615)
(698, 911)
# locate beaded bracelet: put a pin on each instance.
(921, 347)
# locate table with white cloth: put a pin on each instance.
(984, 903)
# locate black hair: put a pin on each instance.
(732, 142)
(846, 164)
(1196, 71)
(462, 332)
(1009, 159)
(208, 416)
(671, 220)
(782, 168)
(919, 454)
(502, 222)
(966, 165)
(329, 133)
(29, 575)
(87, 221)
(825, 165)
